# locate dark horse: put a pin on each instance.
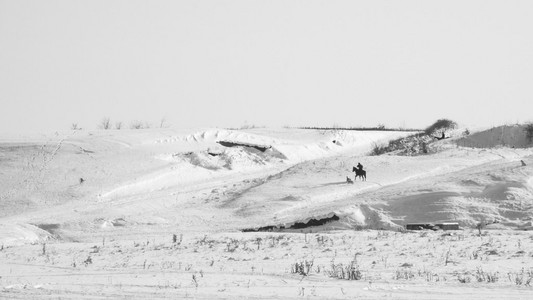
(359, 173)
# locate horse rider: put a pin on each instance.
(360, 166)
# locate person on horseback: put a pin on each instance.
(359, 172)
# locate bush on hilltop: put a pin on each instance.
(529, 131)
(440, 125)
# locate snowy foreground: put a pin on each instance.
(149, 214)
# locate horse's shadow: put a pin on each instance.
(332, 183)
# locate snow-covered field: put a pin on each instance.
(165, 213)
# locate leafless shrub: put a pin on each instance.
(482, 276)
(403, 274)
(349, 271)
(475, 255)
(105, 123)
(232, 245)
(246, 125)
(409, 274)
(275, 240)
(378, 149)
(303, 268)
(384, 259)
(175, 240)
(521, 278)
(464, 278)
(258, 242)
(88, 261)
(163, 123)
(430, 276)
(447, 257)
(118, 125)
(194, 280)
(136, 125)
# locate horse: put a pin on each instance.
(359, 173)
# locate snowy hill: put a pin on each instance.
(86, 177)
(123, 187)
(126, 172)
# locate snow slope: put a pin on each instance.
(140, 187)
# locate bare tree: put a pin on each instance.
(118, 125)
(136, 125)
(74, 126)
(105, 123)
(162, 123)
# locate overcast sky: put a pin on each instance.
(274, 63)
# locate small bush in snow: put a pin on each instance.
(482, 276)
(303, 268)
(378, 149)
(403, 274)
(521, 278)
(349, 271)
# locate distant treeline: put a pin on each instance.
(378, 128)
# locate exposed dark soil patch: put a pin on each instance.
(314, 222)
(297, 225)
(50, 228)
(235, 144)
